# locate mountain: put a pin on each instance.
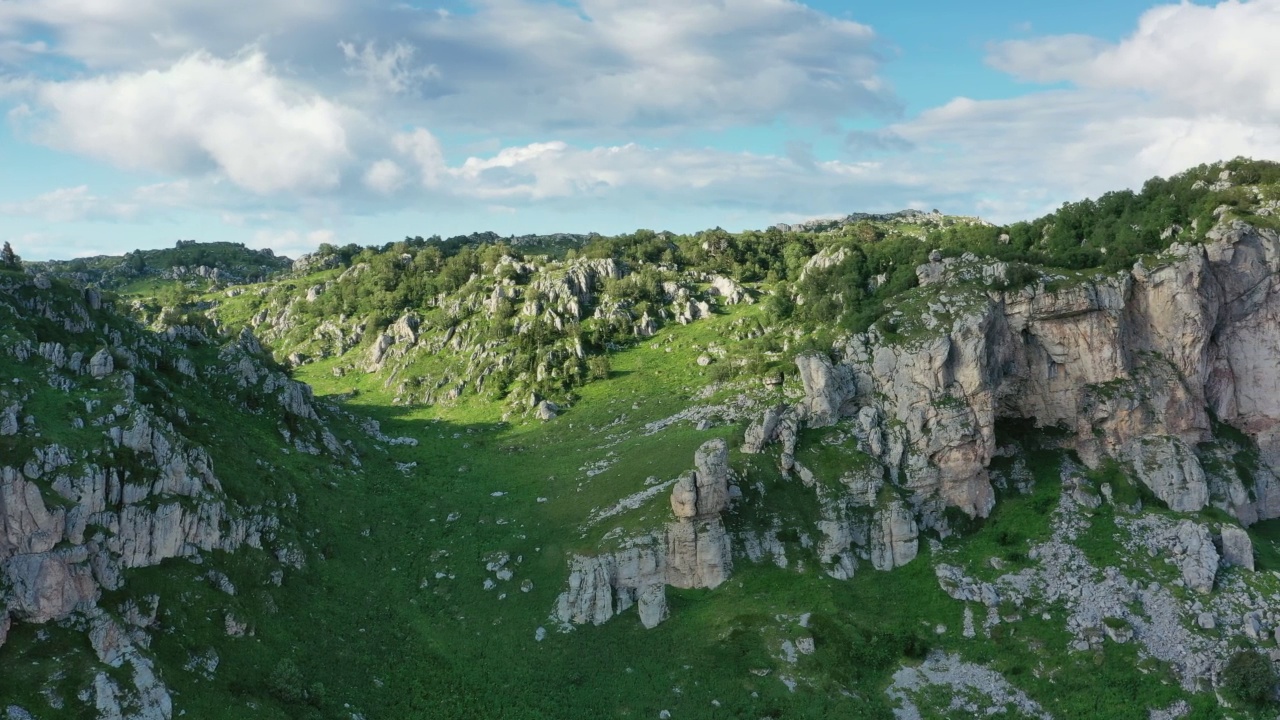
(893, 465)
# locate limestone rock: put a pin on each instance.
(101, 364)
(712, 463)
(761, 432)
(731, 291)
(684, 496)
(1195, 555)
(589, 597)
(48, 586)
(894, 541)
(1170, 469)
(698, 553)
(9, 423)
(1237, 548)
(546, 410)
(652, 605)
(27, 526)
(694, 551)
(826, 388)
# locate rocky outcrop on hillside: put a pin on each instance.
(1131, 365)
(124, 486)
(694, 551)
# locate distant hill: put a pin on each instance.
(219, 262)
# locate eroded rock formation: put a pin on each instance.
(694, 551)
(1131, 365)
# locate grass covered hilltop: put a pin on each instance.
(888, 466)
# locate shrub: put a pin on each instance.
(598, 367)
(1250, 678)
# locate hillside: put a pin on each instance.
(191, 263)
(887, 466)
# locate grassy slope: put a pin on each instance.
(361, 622)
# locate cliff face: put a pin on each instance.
(1131, 365)
(100, 473)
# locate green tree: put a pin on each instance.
(8, 258)
(1251, 678)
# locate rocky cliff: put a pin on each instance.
(1134, 366)
(99, 474)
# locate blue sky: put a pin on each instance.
(134, 123)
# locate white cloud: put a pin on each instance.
(203, 113)
(600, 93)
(1217, 59)
(1191, 84)
(517, 65)
(423, 149)
(70, 204)
(384, 177)
(392, 72)
(661, 64)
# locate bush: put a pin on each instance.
(598, 367)
(287, 684)
(1250, 678)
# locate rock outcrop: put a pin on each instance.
(1130, 364)
(1237, 548)
(1171, 471)
(1195, 556)
(894, 540)
(101, 364)
(694, 551)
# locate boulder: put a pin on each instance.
(546, 410)
(1195, 555)
(1237, 548)
(101, 364)
(652, 605)
(732, 292)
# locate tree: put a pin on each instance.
(8, 258)
(1250, 677)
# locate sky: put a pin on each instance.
(290, 123)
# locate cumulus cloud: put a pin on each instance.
(520, 65)
(612, 175)
(1191, 84)
(203, 113)
(662, 64)
(392, 71)
(423, 150)
(1203, 59)
(371, 110)
(70, 204)
(384, 176)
